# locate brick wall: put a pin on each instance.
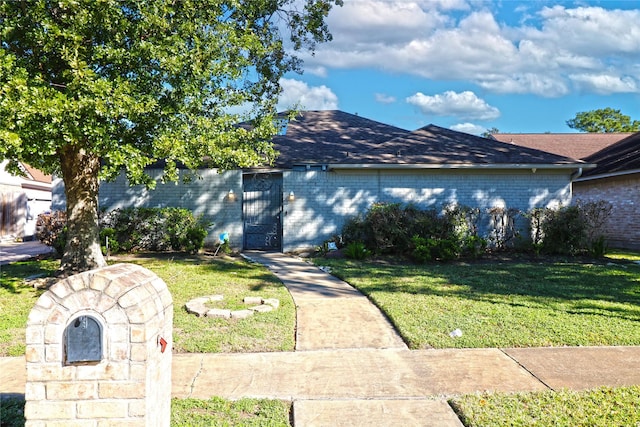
(623, 227)
(131, 384)
(325, 200)
(206, 195)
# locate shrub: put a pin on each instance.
(355, 229)
(504, 231)
(51, 229)
(108, 242)
(388, 230)
(564, 231)
(356, 250)
(156, 229)
(430, 249)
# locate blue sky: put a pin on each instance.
(518, 66)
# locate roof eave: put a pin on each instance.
(608, 175)
(491, 166)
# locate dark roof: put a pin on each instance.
(434, 145)
(316, 137)
(574, 145)
(621, 157)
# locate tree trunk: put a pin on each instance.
(80, 175)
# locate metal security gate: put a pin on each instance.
(262, 211)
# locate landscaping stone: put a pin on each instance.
(273, 302)
(219, 312)
(241, 314)
(263, 308)
(197, 306)
(252, 300)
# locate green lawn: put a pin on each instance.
(498, 303)
(503, 303)
(601, 407)
(192, 412)
(187, 277)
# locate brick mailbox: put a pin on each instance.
(98, 351)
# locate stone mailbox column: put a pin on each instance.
(99, 351)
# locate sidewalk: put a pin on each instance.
(20, 251)
(350, 368)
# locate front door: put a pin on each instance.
(262, 211)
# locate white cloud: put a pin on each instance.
(300, 95)
(384, 99)
(604, 83)
(469, 128)
(458, 40)
(465, 105)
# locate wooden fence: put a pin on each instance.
(13, 208)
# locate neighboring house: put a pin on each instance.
(574, 145)
(615, 179)
(22, 199)
(334, 165)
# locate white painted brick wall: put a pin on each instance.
(206, 195)
(325, 200)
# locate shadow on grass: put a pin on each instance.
(611, 289)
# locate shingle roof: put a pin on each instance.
(574, 145)
(434, 145)
(327, 136)
(620, 157)
(336, 137)
(37, 174)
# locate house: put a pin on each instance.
(574, 145)
(334, 165)
(615, 179)
(22, 199)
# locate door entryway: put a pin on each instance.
(262, 211)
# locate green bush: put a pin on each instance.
(575, 229)
(564, 231)
(356, 250)
(156, 229)
(109, 234)
(388, 228)
(430, 249)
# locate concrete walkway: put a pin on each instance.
(350, 368)
(20, 251)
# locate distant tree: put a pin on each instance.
(603, 121)
(89, 89)
(487, 133)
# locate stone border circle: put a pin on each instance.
(198, 307)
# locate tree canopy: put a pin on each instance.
(603, 121)
(89, 89)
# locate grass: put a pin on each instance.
(504, 304)
(598, 407)
(187, 277)
(221, 412)
(191, 412)
(17, 298)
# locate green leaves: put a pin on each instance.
(603, 120)
(138, 81)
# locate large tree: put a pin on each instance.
(91, 88)
(603, 120)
